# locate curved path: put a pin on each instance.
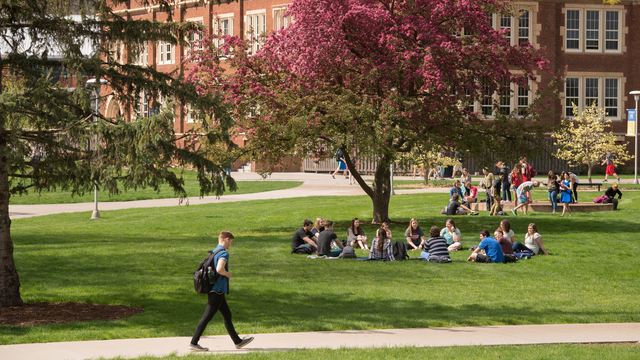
(314, 185)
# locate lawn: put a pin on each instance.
(145, 258)
(190, 185)
(564, 351)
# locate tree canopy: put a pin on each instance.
(379, 77)
(51, 135)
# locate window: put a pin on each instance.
(190, 115)
(256, 25)
(511, 99)
(116, 50)
(164, 53)
(143, 57)
(143, 105)
(519, 27)
(279, 20)
(598, 30)
(195, 37)
(585, 91)
(223, 26)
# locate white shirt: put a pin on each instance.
(527, 184)
(575, 177)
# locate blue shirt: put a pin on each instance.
(222, 284)
(492, 248)
(455, 190)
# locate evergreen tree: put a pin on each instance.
(50, 135)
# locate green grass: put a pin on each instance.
(564, 351)
(145, 258)
(191, 186)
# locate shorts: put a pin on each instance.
(611, 169)
(342, 165)
(522, 197)
(483, 259)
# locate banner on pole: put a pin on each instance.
(631, 122)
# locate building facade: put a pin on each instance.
(598, 45)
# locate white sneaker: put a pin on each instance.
(196, 347)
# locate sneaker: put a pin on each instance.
(333, 176)
(196, 347)
(605, 180)
(244, 342)
(514, 212)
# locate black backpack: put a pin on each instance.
(339, 155)
(399, 251)
(205, 277)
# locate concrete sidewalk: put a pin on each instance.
(313, 185)
(426, 337)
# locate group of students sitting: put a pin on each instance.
(321, 238)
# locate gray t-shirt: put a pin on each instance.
(609, 158)
(324, 242)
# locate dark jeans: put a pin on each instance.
(520, 247)
(575, 192)
(612, 201)
(488, 199)
(216, 302)
(506, 190)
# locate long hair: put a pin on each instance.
(450, 221)
(353, 227)
(319, 223)
(505, 225)
(410, 229)
(534, 227)
(382, 238)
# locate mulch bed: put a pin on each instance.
(59, 313)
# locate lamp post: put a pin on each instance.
(96, 107)
(636, 96)
(148, 97)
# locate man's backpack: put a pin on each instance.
(509, 258)
(399, 251)
(339, 155)
(205, 277)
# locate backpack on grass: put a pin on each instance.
(399, 251)
(205, 277)
(304, 249)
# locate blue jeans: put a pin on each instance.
(333, 253)
(519, 247)
(506, 190)
(553, 198)
(425, 255)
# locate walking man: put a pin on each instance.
(217, 299)
(611, 169)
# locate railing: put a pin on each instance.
(368, 166)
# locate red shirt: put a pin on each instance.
(507, 248)
(517, 180)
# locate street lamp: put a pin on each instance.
(96, 90)
(636, 96)
(148, 96)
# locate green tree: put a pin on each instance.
(45, 109)
(585, 139)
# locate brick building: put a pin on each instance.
(596, 42)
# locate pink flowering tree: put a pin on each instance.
(376, 77)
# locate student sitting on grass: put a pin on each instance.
(303, 236)
(505, 244)
(381, 248)
(455, 189)
(385, 226)
(436, 245)
(532, 242)
(523, 197)
(326, 238)
(470, 193)
(414, 235)
(452, 235)
(318, 226)
(455, 208)
(355, 235)
(491, 247)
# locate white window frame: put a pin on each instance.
(602, 81)
(512, 101)
(601, 32)
(256, 24)
(143, 57)
(194, 37)
(514, 23)
(217, 28)
(279, 20)
(189, 114)
(143, 105)
(164, 56)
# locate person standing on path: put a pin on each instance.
(488, 181)
(611, 169)
(217, 301)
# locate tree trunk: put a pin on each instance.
(9, 282)
(589, 172)
(381, 191)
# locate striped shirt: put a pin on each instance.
(436, 246)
